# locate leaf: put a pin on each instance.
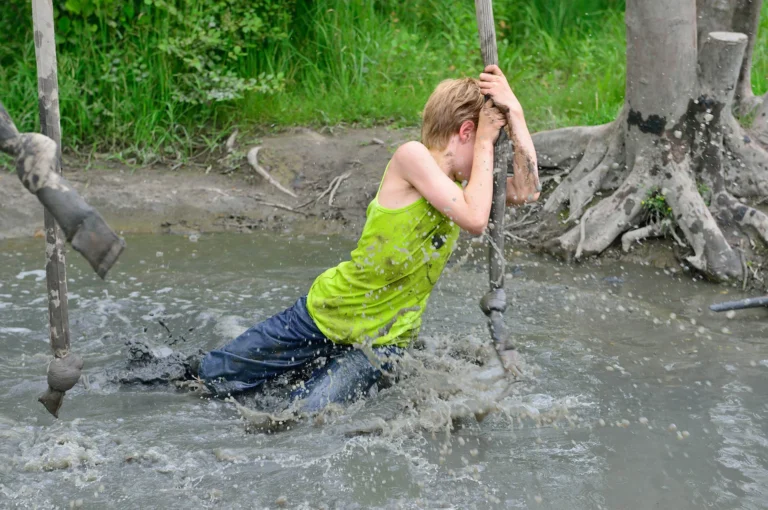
(73, 6)
(63, 25)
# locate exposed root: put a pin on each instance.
(607, 220)
(278, 205)
(560, 148)
(746, 170)
(734, 212)
(674, 235)
(747, 103)
(229, 146)
(335, 183)
(712, 253)
(641, 150)
(603, 157)
(744, 267)
(593, 155)
(584, 190)
(637, 235)
(254, 162)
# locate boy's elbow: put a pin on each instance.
(476, 226)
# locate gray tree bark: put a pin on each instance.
(675, 135)
(746, 19)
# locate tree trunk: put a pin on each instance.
(714, 16)
(746, 19)
(674, 137)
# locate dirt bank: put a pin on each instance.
(222, 192)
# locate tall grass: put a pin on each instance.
(371, 65)
(334, 61)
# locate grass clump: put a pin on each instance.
(165, 76)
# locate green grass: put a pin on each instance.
(334, 61)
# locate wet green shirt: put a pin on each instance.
(382, 291)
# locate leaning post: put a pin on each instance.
(494, 303)
(66, 367)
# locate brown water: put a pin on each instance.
(643, 349)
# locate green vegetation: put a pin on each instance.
(657, 208)
(166, 75)
(656, 205)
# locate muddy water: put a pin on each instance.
(637, 396)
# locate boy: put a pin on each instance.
(412, 224)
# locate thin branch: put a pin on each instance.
(341, 178)
(254, 162)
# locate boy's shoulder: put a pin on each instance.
(409, 151)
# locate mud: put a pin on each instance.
(147, 365)
(221, 192)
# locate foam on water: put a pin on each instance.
(39, 275)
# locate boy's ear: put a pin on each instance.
(466, 130)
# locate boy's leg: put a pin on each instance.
(343, 379)
(277, 345)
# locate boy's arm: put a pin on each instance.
(469, 207)
(522, 187)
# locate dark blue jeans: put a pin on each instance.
(286, 342)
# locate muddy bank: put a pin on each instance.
(222, 192)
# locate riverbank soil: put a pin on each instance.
(334, 175)
(220, 190)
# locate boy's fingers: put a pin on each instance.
(489, 77)
(493, 68)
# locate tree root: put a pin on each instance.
(254, 162)
(634, 236)
(746, 168)
(560, 148)
(604, 153)
(643, 151)
(613, 216)
(335, 183)
(712, 253)
(734, 212)
(607, 220)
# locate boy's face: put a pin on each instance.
(465, 150)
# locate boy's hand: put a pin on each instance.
(490, 124)
(494, 83)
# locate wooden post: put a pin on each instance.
(48, 100)
(495, 302)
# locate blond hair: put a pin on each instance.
(451, 104)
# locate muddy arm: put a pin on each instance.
(37, 158)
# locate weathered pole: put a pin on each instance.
(64, 364)
(494, 303)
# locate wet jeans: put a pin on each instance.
(285, 342)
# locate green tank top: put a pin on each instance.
(382, 291)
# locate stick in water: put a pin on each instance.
(38, 160)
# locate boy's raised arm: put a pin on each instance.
(523, 186)
(469, 207)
